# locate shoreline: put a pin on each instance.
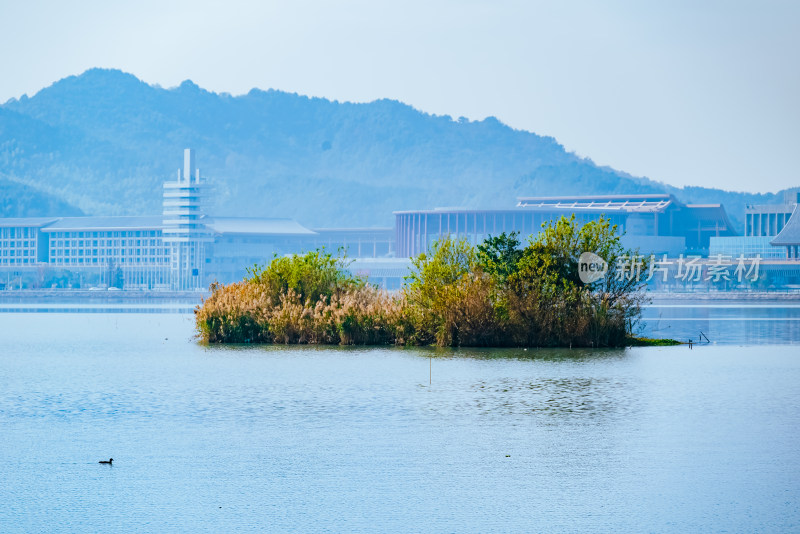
(198, 295)
(21, 296)
(630, 342)
(659, 296)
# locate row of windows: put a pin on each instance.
(765, 224)
(17, 244)
(13, 261)
(120, 261)
(108, 252)
(79, 235)
(12, 233)
(749, 246)
(104, 242)
(13, 252)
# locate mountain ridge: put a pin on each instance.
(104, 142)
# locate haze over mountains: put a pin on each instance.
(102, 143)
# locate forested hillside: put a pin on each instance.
(104, 141)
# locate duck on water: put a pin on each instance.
(109, 461)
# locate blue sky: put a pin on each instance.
(688, 93)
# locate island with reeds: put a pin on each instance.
(494, 294)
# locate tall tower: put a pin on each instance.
(183, 232)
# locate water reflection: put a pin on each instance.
(445, 379)
(723, 322)
(532, 354)
(553, 400)
(729, 323)
(104, 310)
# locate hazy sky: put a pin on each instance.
(690, 92)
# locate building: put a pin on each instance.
(240, 243)
(747, 246)
(769, 232)
(356, 242)
(656, 223)
(388, 273)
(789, 236)
(22, 242)
(183, 232)
(186, 249)
(183, 249)
(769, 219)
(112, 251)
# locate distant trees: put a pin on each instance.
(20, 200)
(498, 293)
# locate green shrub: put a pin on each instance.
(495, 294)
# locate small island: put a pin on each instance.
(494, 294)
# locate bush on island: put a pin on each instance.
(497, 293)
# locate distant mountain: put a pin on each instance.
(105, 141)
(18, 200)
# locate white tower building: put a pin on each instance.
(183, 232)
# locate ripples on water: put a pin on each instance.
(735, 322)
(219, 439)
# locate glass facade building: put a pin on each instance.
(747, 246)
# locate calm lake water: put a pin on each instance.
(725, 322)
(255, 439)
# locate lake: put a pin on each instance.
(254, 439)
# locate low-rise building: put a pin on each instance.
(653, 223)
(789, 237)
(769, 219)
(768, 234)
(128, 251)
(22, 242)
